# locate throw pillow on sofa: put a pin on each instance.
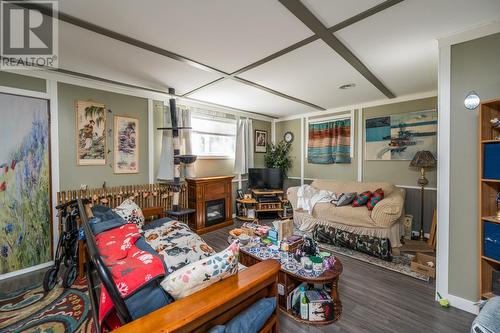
(362, 199)
(377, 196)
(130, 212)
(253, 318)
(346, 199)
(198, 275)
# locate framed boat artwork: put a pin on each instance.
(90, 133)
(398, 137)
(126, 146)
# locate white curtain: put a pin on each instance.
(184, 120)
(244, 146)
(166, 167)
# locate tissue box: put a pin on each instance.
(284, 228)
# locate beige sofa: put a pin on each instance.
(384, 221)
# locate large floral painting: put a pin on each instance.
(90, 133)
(25, 232)
(126, 148)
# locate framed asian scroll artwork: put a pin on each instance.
(398, 137)
(126, 146)
(25, 213)
(90, 133)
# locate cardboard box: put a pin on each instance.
(419, 264)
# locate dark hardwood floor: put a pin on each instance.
(377, 300)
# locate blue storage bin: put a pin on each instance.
(491, 240)
(491, 163)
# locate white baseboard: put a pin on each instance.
(26, 270)
(463, 304)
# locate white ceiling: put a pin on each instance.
(333, 12)
(398, 45)
(226, 34)
(89, 53)
(242, 96)
(314, 73)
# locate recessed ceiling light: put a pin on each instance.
(347, 86)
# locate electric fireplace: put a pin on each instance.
(211, 198)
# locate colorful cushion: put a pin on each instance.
(252, 319)
(130, 212)
(346, 199)
(377, 196)
(362, 199)
(116, 243)
(198, 275)
(176, 244)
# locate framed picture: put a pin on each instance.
(90, 133)
(398, 137)
(126, 147)
(240, 194)
(260, 141)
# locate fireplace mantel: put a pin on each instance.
(210, 195)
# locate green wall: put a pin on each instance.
(293, 126)
(22, 82)
(397, 172)
(71, 175)
(475, 65)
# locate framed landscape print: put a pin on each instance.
(90, 133)
(260, 141)
(25, 213)
(126, 147)
(398, 137)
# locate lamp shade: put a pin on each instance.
(423, 159)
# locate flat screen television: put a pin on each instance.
(265, 178)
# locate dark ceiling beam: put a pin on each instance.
(154, 49)
(344, 24)
(98, 78)
(277, 93)
(363, 15)
(120, 37)
(298, 9)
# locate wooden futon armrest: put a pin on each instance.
(213, 305)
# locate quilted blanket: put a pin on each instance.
(176, 244)
(131, 267)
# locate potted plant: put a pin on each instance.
(277, 156)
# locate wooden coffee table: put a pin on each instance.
(290, 279)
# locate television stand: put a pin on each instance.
(268, 200)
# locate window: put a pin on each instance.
(213, 136)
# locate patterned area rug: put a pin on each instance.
(400, 264)
(60, 310)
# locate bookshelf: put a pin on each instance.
(488, 188)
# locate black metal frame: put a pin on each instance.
(95, 267)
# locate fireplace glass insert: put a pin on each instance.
(215, 212)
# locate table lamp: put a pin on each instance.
(423, 159)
